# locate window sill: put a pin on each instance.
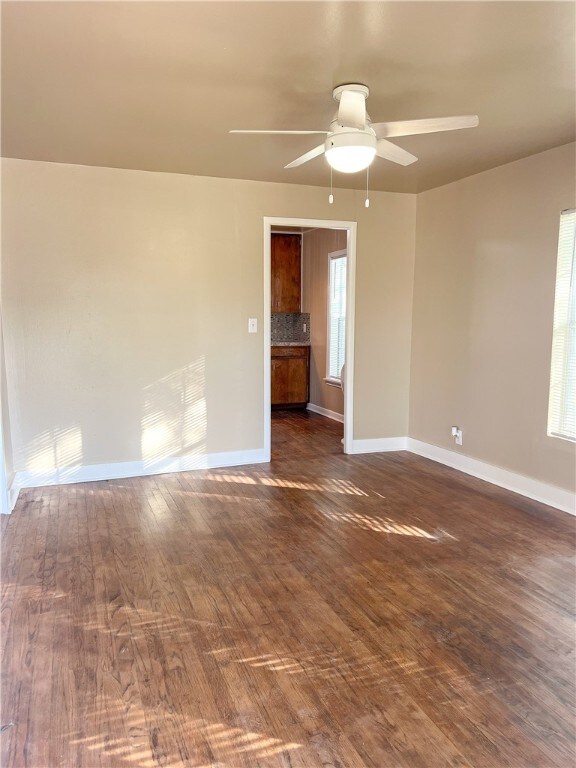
(560, 436)
(332, 382)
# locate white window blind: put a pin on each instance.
(562, 404)
(337, 316)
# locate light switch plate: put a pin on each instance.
(252, 325)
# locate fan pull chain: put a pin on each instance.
(330, 196)
(367, 201)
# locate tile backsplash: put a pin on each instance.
(289, 326)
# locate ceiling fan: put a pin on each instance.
(353, 140)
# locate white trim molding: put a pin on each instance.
(545, 493)
(525, 486)
(351, 229)
(512, 481)
(379, 445)
(328, 379)
(94, 472)
(325, 412)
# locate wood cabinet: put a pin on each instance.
(286, 272)
(290, 376)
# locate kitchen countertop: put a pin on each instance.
(289, 343)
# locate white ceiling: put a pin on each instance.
(157, 85)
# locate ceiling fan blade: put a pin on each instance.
(428, 125)
(352, 109)
(299, 133)
(319, 150)
(390, 151)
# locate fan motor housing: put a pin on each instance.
(339, 90)
(350, 139)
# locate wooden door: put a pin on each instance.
(286, 272)
(290, 376)
(279, 381)
(297, 380)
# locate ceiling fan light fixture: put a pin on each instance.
(350, 152)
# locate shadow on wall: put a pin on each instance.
(174, 418)
(57, 448)
(172, 427)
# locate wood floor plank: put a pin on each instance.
(323, 610)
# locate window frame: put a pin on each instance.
(333, 256)
(563, 354)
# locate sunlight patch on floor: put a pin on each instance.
(219, 741)
(376, 524)
(330, 485)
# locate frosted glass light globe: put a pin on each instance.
(350, 152)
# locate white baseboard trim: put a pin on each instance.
(525, 486)
(325, 412)
(379, 444)
(93, 472)
(512, 481)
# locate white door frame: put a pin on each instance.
(350, 227)
(5, 506)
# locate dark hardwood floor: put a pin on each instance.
(322, 610)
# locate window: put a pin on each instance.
(562, 405)
(336, 315)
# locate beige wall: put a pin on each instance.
(126, 298)
(483, 308)
(384, 287)
(316, 245)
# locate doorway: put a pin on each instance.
(349, 227)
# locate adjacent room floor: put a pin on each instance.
(322, 610)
